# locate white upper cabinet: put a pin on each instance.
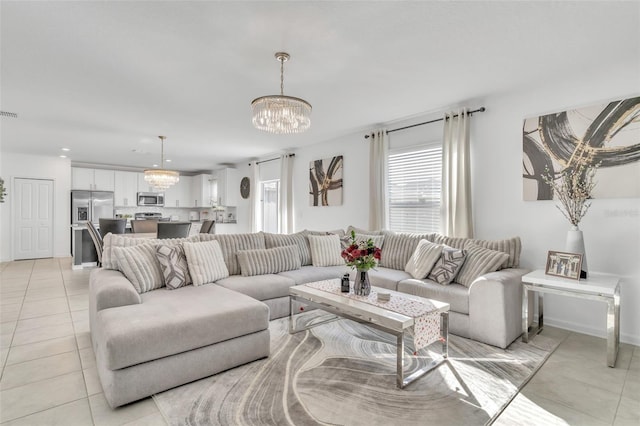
(228, 187)
(179, 195)
(202, 191)
(92, 179)
(126, 188)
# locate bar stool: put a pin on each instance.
(147, 226)
(173, 229)
(115, 226)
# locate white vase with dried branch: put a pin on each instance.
(573, 190)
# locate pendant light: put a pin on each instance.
(161, 178)
(281, 114)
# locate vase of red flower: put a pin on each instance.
(362, 255)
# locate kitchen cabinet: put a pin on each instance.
(228, 187)
(92, 179)
(179, 195)
(126, 188)
(203, 190)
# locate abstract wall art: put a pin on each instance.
(325, 182)
(606, 135)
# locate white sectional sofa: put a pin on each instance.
(155, 340)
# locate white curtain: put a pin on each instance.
(378, 153)
(286, 194)
(456, 218)
(254, 198)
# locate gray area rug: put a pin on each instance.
(343, 373)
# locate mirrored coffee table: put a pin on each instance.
(373, 316)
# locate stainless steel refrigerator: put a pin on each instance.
(91, 206)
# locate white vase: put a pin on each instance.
(575, 244)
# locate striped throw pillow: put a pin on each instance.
(111, 241)
(423, 259)
(448, 265)
(269, 261)
(479, 262)
(511, 246)
(299, 239)
(325, 250)
(230, 244)
(139, 264)
(173, 263)
(398, 249)
(206, 263)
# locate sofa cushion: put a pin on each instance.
(140, 265)
(448, 266)
(479, 261)
(423, 259)
(231, 243)
(325, 250)
(173, 263)
(454, 294)
(309, 274)
(171, 322)
(117, 240)
(511, 246)
(260, 287)
(299, 239)
(205, 261)
(455, 242)
(386, 277)
(268, 261)
(398, 248)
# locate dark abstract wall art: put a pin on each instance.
(325, 182)
(606, 134)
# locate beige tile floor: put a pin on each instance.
(49, 377)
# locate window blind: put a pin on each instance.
(414, 186)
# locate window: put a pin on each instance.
(414, 185)
(270, 199)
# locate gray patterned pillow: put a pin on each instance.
(173, 263)
(448, 266)
(140, 266)
(479, 261)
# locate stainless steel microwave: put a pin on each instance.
(154, 199)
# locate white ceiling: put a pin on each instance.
(105, 78)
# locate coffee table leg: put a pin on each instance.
(525, 315)
(444, 332)
(400, 360)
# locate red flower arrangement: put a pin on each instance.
(363, 255)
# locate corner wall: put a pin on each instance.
(37, 167)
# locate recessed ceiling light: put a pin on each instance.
(63, 156)
(155, 165)
(66, 149)
(167, 161)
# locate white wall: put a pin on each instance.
(611, 227)
(38, 167)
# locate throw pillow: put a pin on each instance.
(423, 259)
(479, 262)
(206, 263)
(282, 240)
(119, 240)
(455, 242)
(378, 240)
(139, 264)
(398, 249)
(448, 265)
(230, 244)
(325, 250)
(173, 263)
(511, 246)
(362, 231)
(269, 261)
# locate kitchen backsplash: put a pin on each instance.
(182, 214)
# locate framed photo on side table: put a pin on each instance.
(565, 265)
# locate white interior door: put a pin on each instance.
(33, 218)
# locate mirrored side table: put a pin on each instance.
(605, 288)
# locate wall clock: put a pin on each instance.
(245, 187)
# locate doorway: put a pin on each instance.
(33, 218)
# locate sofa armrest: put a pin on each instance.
(495, 307)
(110, 289)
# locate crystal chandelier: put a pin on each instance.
(281, 114)
(161, 178)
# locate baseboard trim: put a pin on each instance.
(591, 331)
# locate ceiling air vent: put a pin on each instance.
(8, 114)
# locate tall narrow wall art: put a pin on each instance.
(325, 182)
(607, 135)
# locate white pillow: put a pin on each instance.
(206, 263)
(424, 257)
(325, 250)
(139, 264)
